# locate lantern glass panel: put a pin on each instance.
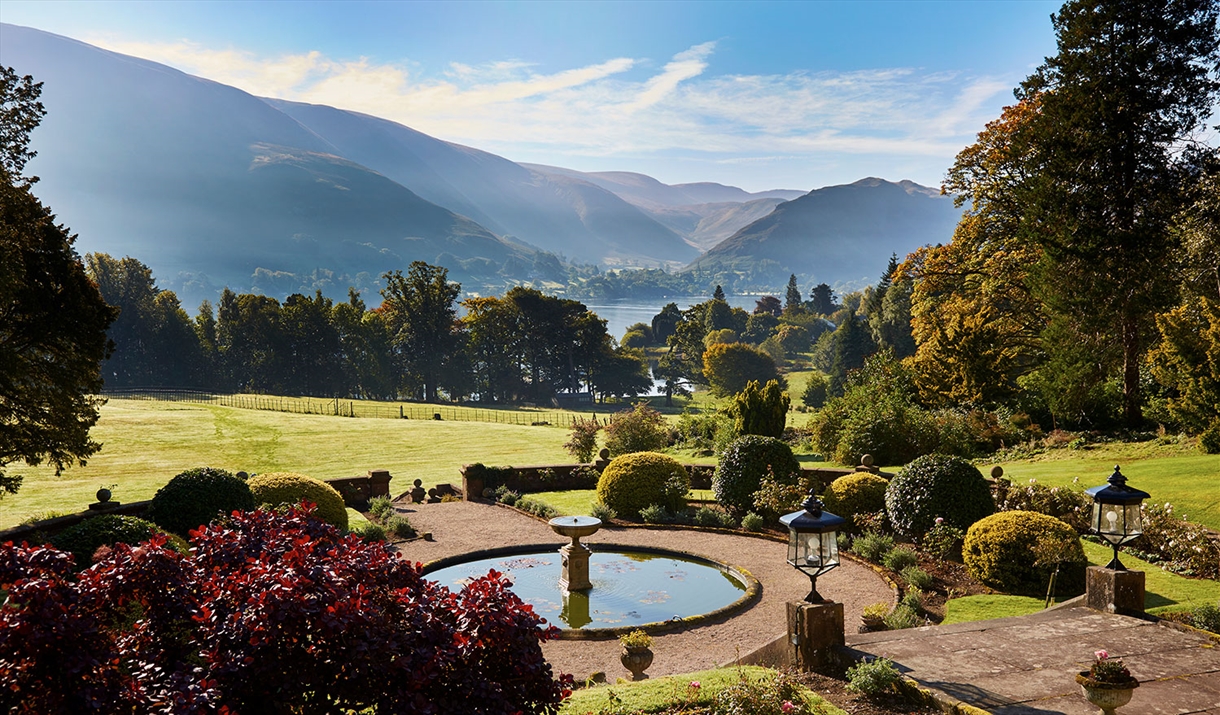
(794, 540)
(1134, 524)
(1108, 521)
(830, 549)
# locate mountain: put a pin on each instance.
(840, 235)
(576, 219)
(211, 186)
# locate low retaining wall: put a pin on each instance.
(356, 492)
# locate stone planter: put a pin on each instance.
(868, 624)
(636, 659)
(1107, 696)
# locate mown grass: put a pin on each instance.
(578, 502)
(1163, 592)
(147, 443)
(659, 694)
(1174, 473)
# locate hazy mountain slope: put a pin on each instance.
(838, 234)
(707, 192)
(706, 225)
(207, 184)
(543, 210)
(649, 193)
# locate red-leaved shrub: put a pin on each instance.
(271, 612)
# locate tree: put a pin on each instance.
(760, 410)
(665, 322)
(851, 343)
(823, 299)
(423, 322)
(495, 348)
(875, 298)
(640, 429)
(770, 305)
(718, 294)
(53, 321)
(1118, 107)
(729, 367)
(792, 301)
(312, 359)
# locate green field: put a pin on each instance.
(146, 443)
(666, 693)
(1174, 473)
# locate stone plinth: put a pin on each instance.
(815, 633)
(1113, 591)
(575, 575)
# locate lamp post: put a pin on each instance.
(813, 542)
(1116, 513)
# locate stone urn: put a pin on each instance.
(1107, 696)
(636, 659)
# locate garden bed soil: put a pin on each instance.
(833, 687)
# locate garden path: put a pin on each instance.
(1026, 665)
(461, 527)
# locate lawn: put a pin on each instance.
(578, 502)
(1163, 592)
(1174, 473)
(660, 694)
(146, 443)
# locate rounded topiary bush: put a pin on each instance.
(196, 497)
(936, 485)
(743, 465)
(83, 539)
(290, 488)
(859, 493)
(635, 481)
(1015, 551)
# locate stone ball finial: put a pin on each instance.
(997, 471)
(867, 460)
(604, 454)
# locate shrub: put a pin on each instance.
(641, 429)
(917, 577)
(290, 488)
(603, 512)
(634, 481)
(381, 507)
(859, 493)
(537, 508)
(900, 558)
(943, 541)
(1206, 617)
(815, 391)
(707, 516)
(743, 465)
(776, 496)
(874, 678)
(913, 599)
(753, 522)
(705, 431)
(196, 497)
(781, 695)
(1209, 439)
(872, 546)
(1179, 545)
(273, 612)
(655, 514)
(83, 539)
(506, 496)
(903, 616)
(583, 441)
(729, 367)
(399, 526)
(760, 410)
(371, 532)
(934, 486)
(1002, 551)
(1071, 506)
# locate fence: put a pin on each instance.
(350, 408)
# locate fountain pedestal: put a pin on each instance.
(575, 573)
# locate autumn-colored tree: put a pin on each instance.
(729, 367)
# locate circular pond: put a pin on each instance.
(630, 587)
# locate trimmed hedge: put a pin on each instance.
(859, 493)
(635, 481)
(1001, 551)
(937, 485)
(196, 497)
(276, 488)
(84, 539)
(744, 464)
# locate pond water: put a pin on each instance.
(629, 587)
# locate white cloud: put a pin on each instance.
(618, 108)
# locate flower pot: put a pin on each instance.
(1107, 696)
(636, 659)
(872, 623)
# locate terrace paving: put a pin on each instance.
(463, 527)
(1026, 665)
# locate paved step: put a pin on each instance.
(1026, 665)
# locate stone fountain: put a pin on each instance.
(575, 573)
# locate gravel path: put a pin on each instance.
(460, 527)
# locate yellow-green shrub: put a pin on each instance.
(859, 493)
(634, 481)
(1008, 551)
(276, 488)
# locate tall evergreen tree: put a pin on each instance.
(792, 300)
(823, 299)
(851, 343)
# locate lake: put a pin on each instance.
(620, 314)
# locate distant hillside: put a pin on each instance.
(841, 235)
(211, 186)
(706, 225)
(582, 222)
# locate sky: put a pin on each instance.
(760, 95)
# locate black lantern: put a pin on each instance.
(813, 542)
(1116, 513)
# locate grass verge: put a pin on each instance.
(577, 502)
(660, 694)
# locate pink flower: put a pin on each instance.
(694, 684)
(940, 520)
(1101, 655)
(787, 706)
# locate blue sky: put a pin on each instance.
(759, 95)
